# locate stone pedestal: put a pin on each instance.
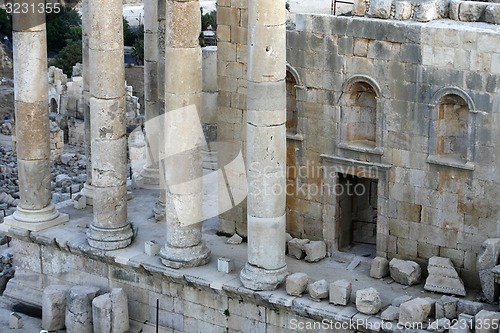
(182, 137)
(54, 307)
(79, 309)
(35, 210)
(110, 228)
(266, 145)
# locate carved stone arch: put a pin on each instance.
(454, 91)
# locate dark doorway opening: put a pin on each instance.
(357, 215)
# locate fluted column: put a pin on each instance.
(88, 189)
(266, 145)
(110, 228)
(149, 176)
(35, 210)
(183, 137)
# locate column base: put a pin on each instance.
(88, 192)
(182, 257)
(110, 239)
(35, 220)
(256, 278)
(159, 211)
(148, 178)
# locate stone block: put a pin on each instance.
(318, 290)
(296, 283)
(400, 300)
(315, 251)
(471, 11)
(414, 311)
(15, 321)
(405, 272)
(54, 307)
(225, 265)
(380, 9)
(403, 10)
(368, 301)
(469, 307)
(80, 201)
(296, 247)
(359, 8)
(152, 248)
(446, 307)
(110, 312)
(425, 11)
(379, 268)
(79, 309)
(490, 251)
(390, 314)
(234, 239)
(487, 321)
(492, 13)
(443, 277)
(340, 292)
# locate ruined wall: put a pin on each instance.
(408, 104)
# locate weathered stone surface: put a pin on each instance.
(400, 300)
(487, 321)
(235, 239)
(296, 247)
(15, 321)
(54, 307)
(405, 272)
(443, 277)
(380, 9)
(390, 314)
(79, 309)
(492, 13)
(463, 324)
(469, 307)
(403, 10)
(315, 251)
(296, 283)
(318, 290)
(446, 307)
(359, 8)
(485, 262)
(425, 11)
(340, 292)
(368, 301)
(414, 311)
(471, 11)
(379, 268)
(110, 312)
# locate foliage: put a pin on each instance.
(69, 56)
(138, 46)
(5, 23)
(208, 20)
(62, 28)
(130, 35)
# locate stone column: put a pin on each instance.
(183, 136)
(150, 175)
(87, 190)
(159, 208)
(35, 210)
(110, 228)
(266, 145)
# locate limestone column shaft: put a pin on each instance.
(35, 210)
(110, 228)
(159, 209)
(266, 145)
(150, 176)
(87, 190)
(183, 137)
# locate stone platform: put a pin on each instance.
(192, 299)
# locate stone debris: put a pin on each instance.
(79, 201)
(446, 307)
(487, 321)
(15, 321)
(400, 300)
(469, 307)
(405, 272)
(235, 239)
(54, 307)
(110, 312)
(390, 314)
(379, 268)
(225, 265)
(318, 290)
(368, 301)
(340, 292)
(463, 324)
(315, 251)
(415, 311)
(443, 277)
(152, 248)
(490, 251)
(296, 248)
(354, 263)
(79, 309)
(288, 237)
(296, 283)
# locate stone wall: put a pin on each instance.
(410, 105)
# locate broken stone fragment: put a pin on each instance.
(296, 283)
(446, 307)
(414, 311)
(79, 309)
(405, 272)
(443, 277)
(368, 301)
(318, 290)
(235, 240)
(296, 247)
(487, 321)
(379, 268)
(315, 251)
(340, 292)
(54, 307)
(390, 314)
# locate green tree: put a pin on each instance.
(138, 46)
(60, 28)
(5, 23)
(69, 56)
